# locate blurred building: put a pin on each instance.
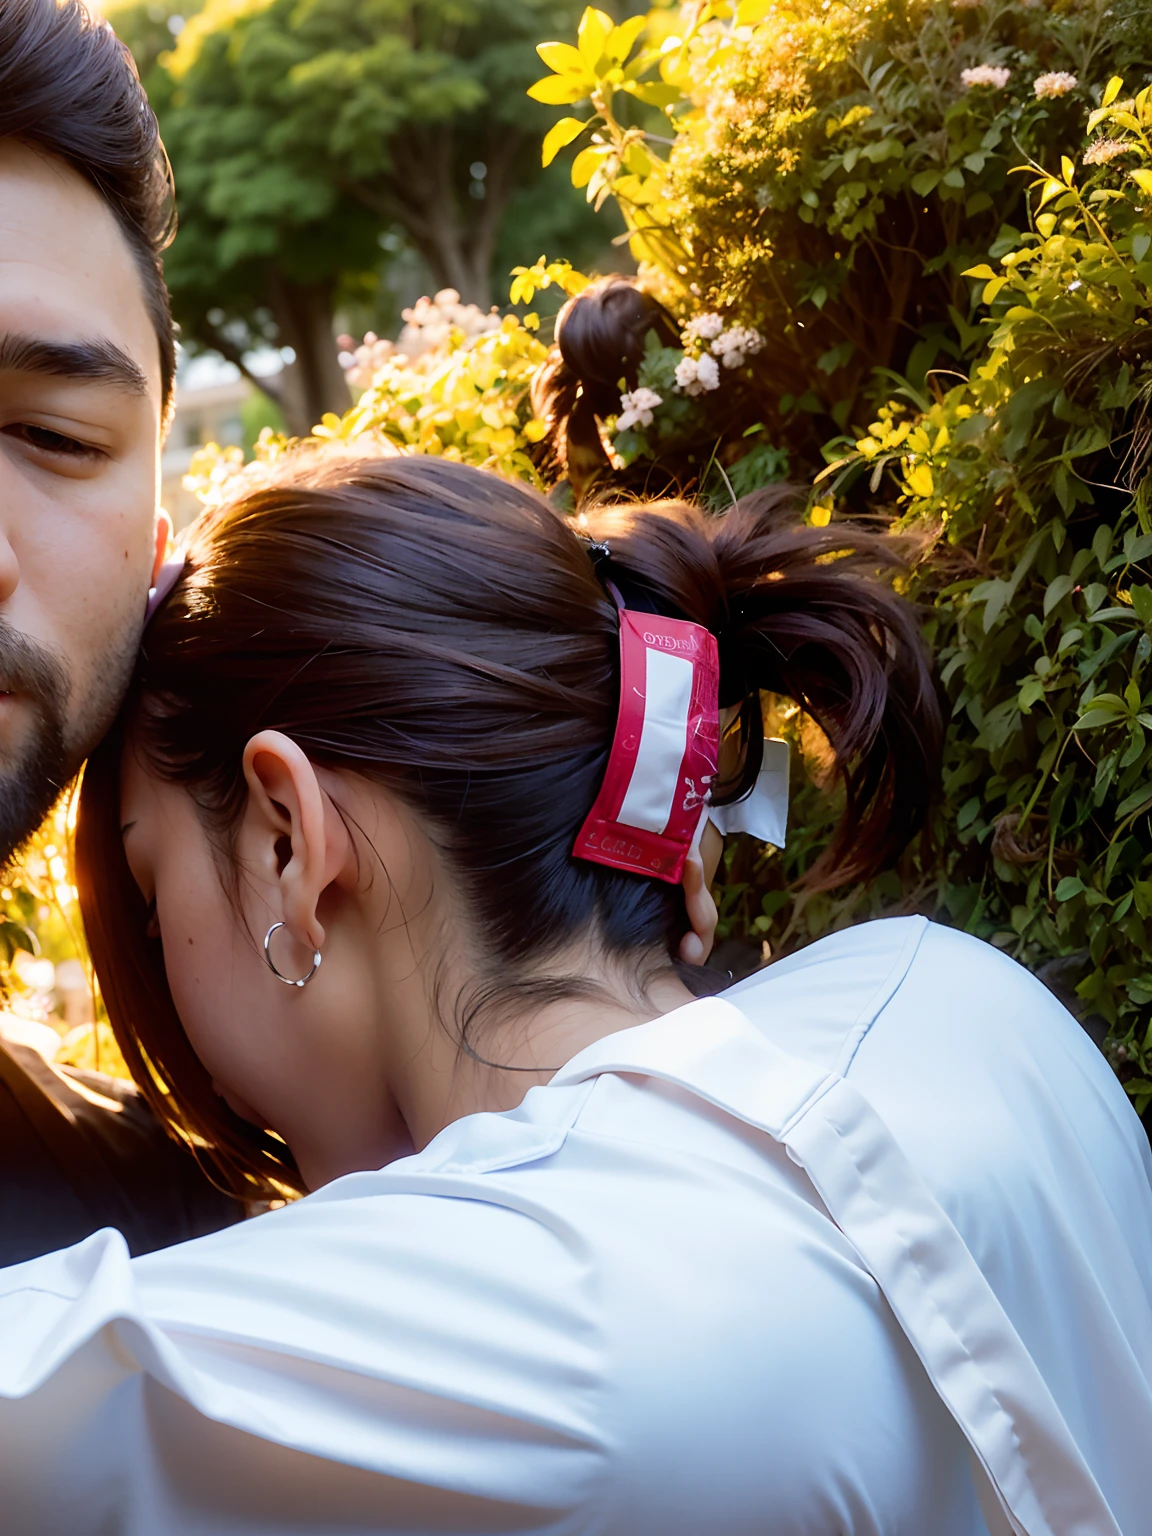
(215, 403)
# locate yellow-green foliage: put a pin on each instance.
(1035, 476)
(470, 404)
(968, 348)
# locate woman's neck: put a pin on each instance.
(508, 1050)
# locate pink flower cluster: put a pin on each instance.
(428, 329)
(993, 76)
(1057, 82)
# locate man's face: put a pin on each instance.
(79, 462)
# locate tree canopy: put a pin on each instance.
(301, 131)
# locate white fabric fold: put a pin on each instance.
(763, 813)
(948, 1311)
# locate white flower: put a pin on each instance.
(707, 373)
(696, 375)
(1056, 83)
(686, 376)
(737, 344)
(702, 328)
(636, 408)
(1100, 151)
(994, 75)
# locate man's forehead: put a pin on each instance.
(66, 271)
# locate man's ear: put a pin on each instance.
(294, 838)
(162, 535)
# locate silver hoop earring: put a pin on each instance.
(288, 980)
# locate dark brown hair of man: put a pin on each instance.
(69, 87)
(447, 635)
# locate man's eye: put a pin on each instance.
(48, 441)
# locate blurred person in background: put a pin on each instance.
(87, 360)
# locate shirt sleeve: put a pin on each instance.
(321, 1369)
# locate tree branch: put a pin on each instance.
(209, 336)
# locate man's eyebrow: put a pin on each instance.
(96, 361)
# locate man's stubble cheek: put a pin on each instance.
(71, 718)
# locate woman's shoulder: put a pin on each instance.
(823, 1001)
(820, 1001)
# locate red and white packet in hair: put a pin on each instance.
(665, 751)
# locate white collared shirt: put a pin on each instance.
(849, 1250)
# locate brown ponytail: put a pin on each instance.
(799, 612)
(600, 337)
(445, 634)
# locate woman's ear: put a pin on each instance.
(293, 837)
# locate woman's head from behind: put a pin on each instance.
(376, 710)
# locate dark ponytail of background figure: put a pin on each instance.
(446, 635)
(600, 336)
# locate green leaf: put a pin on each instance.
(999, 593)
(1057, 591)
(1111, 91)
(983, 270)
(1070, 886)
(1143, 180)
(1141, 597)
(1104, 709)
(558, 136)
(968, 813)
(924, 182)
(835, 358)
(1134, 802)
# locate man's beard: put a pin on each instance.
(52, 754)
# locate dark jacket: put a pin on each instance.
(80, 1151)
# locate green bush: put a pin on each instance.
(839, 182)
(1034, 476)
(834, 168)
